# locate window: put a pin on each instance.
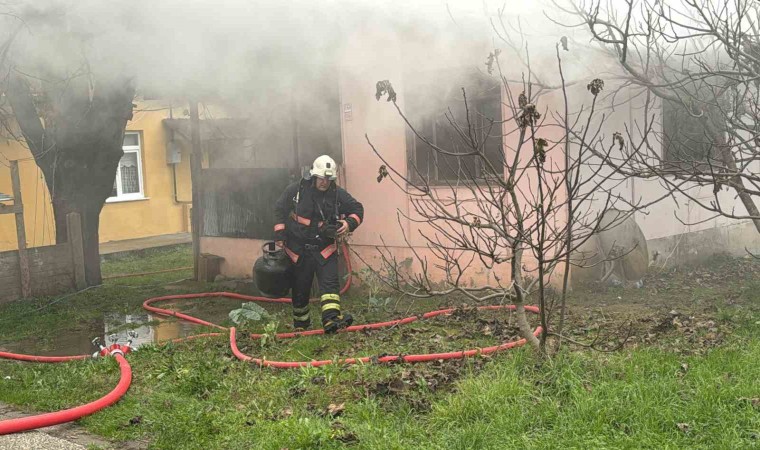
(128, 184)
(687, 145)
(430, 120)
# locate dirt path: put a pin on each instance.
(694, 306)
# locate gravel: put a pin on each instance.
(35, 440)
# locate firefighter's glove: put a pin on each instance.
(352, 223)
(343, 227)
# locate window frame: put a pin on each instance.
(136, 149)
(432, 120)
(673, 115)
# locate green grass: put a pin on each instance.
(44, 318)
(633, 400)
(149, 261)
(197, 395)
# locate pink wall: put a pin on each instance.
(475, 275)
(380, 122)
(239, 254)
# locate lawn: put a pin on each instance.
(687, 377)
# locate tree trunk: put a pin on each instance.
(85, 203)
(522, 319)
(736, 181)
(77, 145)
(83, 181)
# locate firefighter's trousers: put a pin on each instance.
(309, 264)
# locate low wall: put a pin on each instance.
(690, 248)
(51, 271)
(240, 254)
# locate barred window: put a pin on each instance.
(128, 184)
(432, 111)
(687, 143)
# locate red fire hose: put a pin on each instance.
(68, 415)
(354, 328)
(195, 320)
(424, 357)
(295, 364)
(42, 359)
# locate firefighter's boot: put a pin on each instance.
(332, 319)
(301, 319)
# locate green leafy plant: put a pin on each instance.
(248, 314)
(374, 286)
(269, 336)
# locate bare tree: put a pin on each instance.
(70, 115)
(523, 191)
(698, 63)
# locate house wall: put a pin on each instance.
(677, 225)
(387, 207)
(38, 213)
(157, 214)
(698, 246)
(664, 224)
(370, 57)
(239, 254)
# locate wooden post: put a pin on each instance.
(76, 244)
(195, 180)
(23, 258)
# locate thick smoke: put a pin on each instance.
(236, 49)
(241, 48)
(253, 57)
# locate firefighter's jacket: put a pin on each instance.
(301, 211)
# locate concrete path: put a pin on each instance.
(130, 245)
(67, 436)
(35, 440)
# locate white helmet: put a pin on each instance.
(324, 167)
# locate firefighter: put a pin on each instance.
(310, 215)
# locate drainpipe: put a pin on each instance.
(195, 179)
(171, 143)
(174, 178)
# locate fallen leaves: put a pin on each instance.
(335, 410)
(754, 401)
(340, 433)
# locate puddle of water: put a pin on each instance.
(113, 328)
(150, 329)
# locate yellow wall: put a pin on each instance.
(38, 213)
(157, 214)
